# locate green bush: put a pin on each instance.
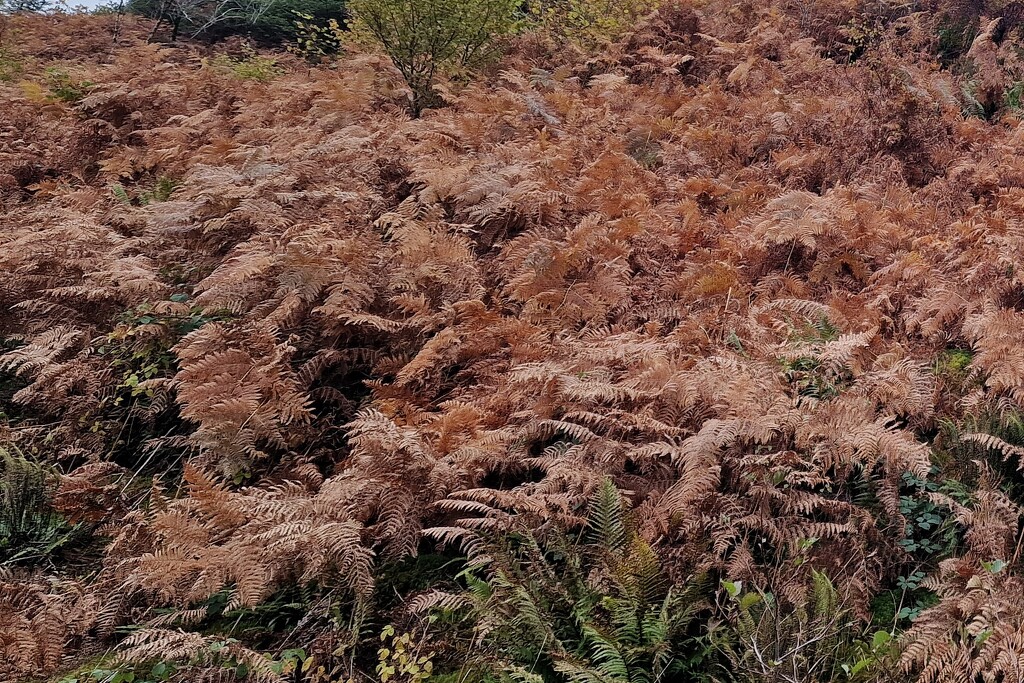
(590, 23)
(428, 38)
(65, 87)
(315, 39)
(251, 66)
(277, 26)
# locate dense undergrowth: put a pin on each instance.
(695, 357)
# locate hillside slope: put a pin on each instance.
(760, 271)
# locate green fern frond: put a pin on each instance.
(642, 575)
(606, 520)
(120, 193)
(606, 654)
(575, 673)
(522, 675)
(479, 590)
(824, 596)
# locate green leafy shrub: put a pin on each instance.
(954, 365)
(139, 348)
(399, 658)
(931, 534)
(277, 25)
(65, 87)
(314, 39)
(428, 38)
(251, 66)
(930, 529)
(590, 23)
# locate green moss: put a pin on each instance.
(953, 366)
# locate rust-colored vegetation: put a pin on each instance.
(695, 356)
